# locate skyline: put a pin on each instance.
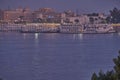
(83, 6)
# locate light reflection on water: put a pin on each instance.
(24, 35)
(36, 39)
(78, 36)
(119, 33)
(36, 36)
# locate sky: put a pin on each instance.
(82, 6)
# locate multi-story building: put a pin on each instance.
(82, 19)
(17, 15)
(72, 17)
(49, 15)
(46, 15)
(97, 18)
(69, 13)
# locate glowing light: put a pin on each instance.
(78, 36)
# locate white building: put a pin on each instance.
(83, 19)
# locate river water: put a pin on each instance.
(43, 56)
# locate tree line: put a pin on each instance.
(109, 75)
(114, 16)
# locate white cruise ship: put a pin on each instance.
(71, 28)
(87, 28)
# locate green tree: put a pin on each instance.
(108, 19)
(109, 75)
(117, 66)
(115, 15)
(94, 76)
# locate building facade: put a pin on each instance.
(46, 15)
(82, 19)
(17, 15)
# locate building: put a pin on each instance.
(82, 19)
(17, 15)
(46, 15)
(69, 13)
(97, 18)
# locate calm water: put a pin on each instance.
(56, 56)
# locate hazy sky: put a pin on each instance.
(82, 5)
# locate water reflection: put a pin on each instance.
(24, 35)
(51, 35)
(36, 39)
(78, 36)
(119, 33)
(36, 36)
